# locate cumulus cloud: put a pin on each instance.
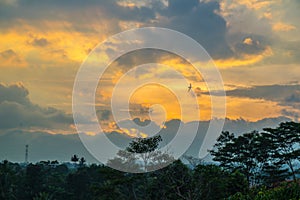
(17, 111)
(196, 19)
(14, 93)
(200, 21)
(204, 21)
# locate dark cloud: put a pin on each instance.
(179, 7)
(171, 128)
(200, 21)
(40, 42)
(10, 55)
(141, 14)
(293, 98)
(104, 114)
(17, 111)
(135, 58)
(139, 110)
(55, 9)
(42, 146)
(285, 52)
(267, 92)
(197, 19)
(14, 93)
(249, 45)
(294, 115)
(138, 57)
(284, 95)
(140, 122)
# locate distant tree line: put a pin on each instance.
(43, 181)
(256, 165)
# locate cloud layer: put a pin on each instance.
(44, 146)
(17, 111)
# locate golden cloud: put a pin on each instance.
(47, 42)
(283, 27)
(268, 15)
(254, 4)
(245, 60)
(251, 109)
(248, 41)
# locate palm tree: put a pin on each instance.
(82, 161)
(75, 158)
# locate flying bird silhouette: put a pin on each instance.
(190, 87)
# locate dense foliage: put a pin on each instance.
(56, 181)
(264, 158)
(251, 166)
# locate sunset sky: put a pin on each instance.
(254, 43)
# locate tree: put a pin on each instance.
(245, 153)
(43, 196)
(223, 150)
(273, 170)
(75, 158)
(211, 182)
(125, 161)
(82, 161)
(286, 145)
(8, 180)
(273, 174)
(34, 179)
(141, 156)
(78, 184)
(173, 182)
(145, 147)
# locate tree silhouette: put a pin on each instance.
(75, 158)
(141, 156)
(247, 153)
(261, 157)
(43, 196)
(82, 161)
(286, 144)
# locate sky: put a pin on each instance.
(255, 45)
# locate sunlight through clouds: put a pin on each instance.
(44, 48)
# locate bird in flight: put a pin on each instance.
(190, 87)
